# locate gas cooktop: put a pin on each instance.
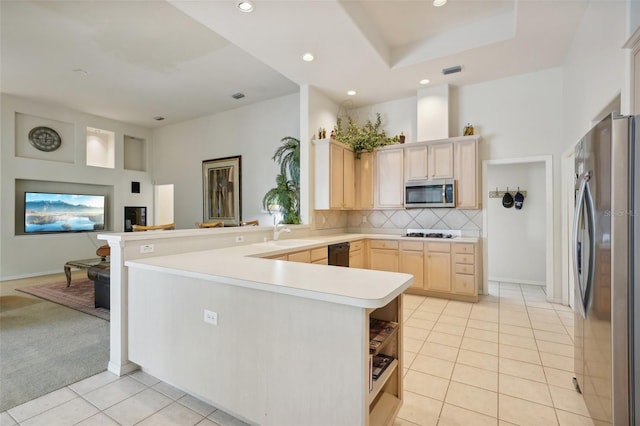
(427, 233)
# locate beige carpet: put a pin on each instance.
(79, 296)
(45, 346)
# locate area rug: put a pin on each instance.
(79, 295)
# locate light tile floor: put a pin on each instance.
(507, 360)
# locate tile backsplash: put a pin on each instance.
(468, 221)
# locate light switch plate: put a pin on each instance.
(210, 317)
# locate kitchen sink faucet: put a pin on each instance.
(278, 229)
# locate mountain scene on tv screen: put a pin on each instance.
(63, 213)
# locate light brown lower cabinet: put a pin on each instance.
(320, 256)
(437, 266)
(412, 261)
(356, 255)
(384, 255)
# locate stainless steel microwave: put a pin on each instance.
(430, 193)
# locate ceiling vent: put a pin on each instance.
(237, 95)
(452, 70)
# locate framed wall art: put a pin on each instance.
(222, 188)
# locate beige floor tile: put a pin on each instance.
(478, 359)
(170, 391)
(207, 422)
(114, 392)
(473, 398)
(42, 404)
(436, 350)
(457, 416)
(570, 419)
(196, 405)
(555, 348)
(475, 377)
(415, 333)
(519, 341)
(517, 331)
(448, 319)
(431, 365)
(550, 327)
(445, 339)
(406, 313)
(458, 309)
(407, 361)
(449, 328)
(517, 320)
(483, 325)
(562, 338)
(6, 419)
(426, 385)
(411, 344)
(482, 346)
(425, 315)
(69, 413)
(557, 361)
(419, 323)
(134, 409)
(519, 354)
(509, 306)
(419, 409)
(144, 378)
(568, 400)
(541, 305)
(93, 382)
(559, 378)
(521, 369)
(400, 422)
(525, 413)
(221, 418)
(525, 389)
(99, 419)
(489, 336)
(411, 301)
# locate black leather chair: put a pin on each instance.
(101, 276)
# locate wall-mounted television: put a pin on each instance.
(46, 212)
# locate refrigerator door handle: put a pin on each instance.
(584, 194)
(591, 213)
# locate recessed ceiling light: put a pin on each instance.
(425, 81)
(308, 57)
(351, 92)
(245, 6)
(158, 118)
(438, 3)
(238, 95)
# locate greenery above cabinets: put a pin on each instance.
(365, 138)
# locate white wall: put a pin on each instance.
(252, 131)
(516, 243)
(65, 169)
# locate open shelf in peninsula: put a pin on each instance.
(266, 310)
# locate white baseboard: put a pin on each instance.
(517, 281)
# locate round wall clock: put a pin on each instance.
(45, 138)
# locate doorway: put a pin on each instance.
(518, 243)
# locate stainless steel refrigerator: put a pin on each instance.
(606, 263)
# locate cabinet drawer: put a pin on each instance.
(467, 259)
(324, 261)
(355, 246)
(319, 254)
(383, 244)
(463, 248)
(411, 245)
(461, 268)
(438, 247)
(464, 284)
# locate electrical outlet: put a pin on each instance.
(239, 238)
(210, 317)
(147, 248)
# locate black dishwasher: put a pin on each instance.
(339, 254)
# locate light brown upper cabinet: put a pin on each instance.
(389, 178)
(467, 174)
(415, 161)
(364, 181)
(440, 160)
(334, 175)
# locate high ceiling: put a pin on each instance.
(134, 60)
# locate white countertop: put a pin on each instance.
(243, 266)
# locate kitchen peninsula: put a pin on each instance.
(271, 342)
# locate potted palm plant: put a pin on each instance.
(286, 194)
